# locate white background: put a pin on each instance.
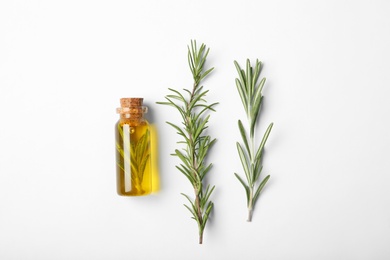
(65, 64)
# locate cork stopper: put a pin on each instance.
(131, 107)
(131, 102)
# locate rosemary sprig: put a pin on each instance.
(249, 88)
(134, 156)
(193, 108)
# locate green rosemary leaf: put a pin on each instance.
(243, 135)
(257, 94)
(196, 99)
(263, 141)
(143, 163)
(254, 114)
(182, 158)
(207, 72)
(207, 195)
(244, 185)
(140, 148)
(202, 56)
(204, 170)
(179, 131)
(210, 206)
(181, 97)
(133, 160)
(197, 91)
(205, 108)
(192, 204)
(132, 148)
(134, 172)
(174, 97)
(193, 50)
(249, 79)
(257, 171)
(144, 142)
(244, 83)
(256, 73)
(240, 89)
(241, 74)
(259, 87)
(201, 127)
(180, 109)
(187, 91)
(121, 149)
(202, 152)
(244, 162)
(190, 61)
(185, 172)
(202, 149)
(204, 146)
(261, 186)
(192, 212)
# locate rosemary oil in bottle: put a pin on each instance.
(133, 149)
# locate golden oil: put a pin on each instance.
(133, 149)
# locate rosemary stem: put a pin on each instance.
(252, 152)
(250, 204)
(197, 189)
(249, 215)
(251, 169)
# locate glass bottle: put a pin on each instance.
(133, 149)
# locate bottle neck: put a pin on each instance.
(132, 118)
(132, 111)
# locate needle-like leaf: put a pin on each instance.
(243, 135)
(244, 162)
(244, 185)
(261, 186)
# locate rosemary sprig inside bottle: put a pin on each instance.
(193, 108)
(249, 87)
(134, 156)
